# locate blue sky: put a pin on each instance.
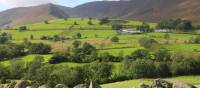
(6, 4)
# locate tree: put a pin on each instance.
(88, 48)
(23, 28)
(104, 21)
(141, 54)
(141, 69)
(75, 23)
(10, 51)
(162, 69)
(185, 66)
(17, 69)
(4, 73)
(76, 44)
(185, 25)
(148, 43)
(90, 22)
(4, 38)
(77, 35)
(144, 27)
(98, 72)
(163, 55)
(39, 48)
(117, 26)
(46, 22)
(33, 66)
(115, 39)
(31, 37)
(197, 40)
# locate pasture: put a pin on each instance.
(100, 35)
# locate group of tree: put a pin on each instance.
(148, 42)
(82, 53)
(53, 38)
(177, 24)
(145, 27)
(141, 63)
(104, 21)
(117, 26)
(5, 37)
(23, 28)
(11, 51)
(162, 63)
(40, 73)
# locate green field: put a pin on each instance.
(195, 80)
(100, 35)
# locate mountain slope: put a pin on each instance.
(22, 15)
(151, 10)
(146, 10)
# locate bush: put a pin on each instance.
(77, 36)
(10, 51)
(39, 48)
(98, 72)
(4, 38)
(186, 66)
(23, 28)
(141, 54)
(140, 69)
(104, 21)
(197, 40)
(115, 39)
(58, 59)
(162, 69)
(117, 26)
(163, 55)
(148, 43)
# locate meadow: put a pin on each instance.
(100, 37)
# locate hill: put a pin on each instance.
(145, 10)
(22, 15)
(150, 10)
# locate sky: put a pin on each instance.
(6, 4)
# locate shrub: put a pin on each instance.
(117, 26)
(115, 39)
(98, 72)
(39, 48)
(141, 69)
(104, 21)
(148, 43)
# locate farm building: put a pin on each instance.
(127, 31)
(162, 30)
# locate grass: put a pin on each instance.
(184, 47)
(28, 58)
(195, 80)
(66, 24)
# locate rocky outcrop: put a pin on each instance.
(44, 86)
(81, 86)
(61, 86)
(158, 83)
(16, 84)
(22, 84)
(179, 84)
